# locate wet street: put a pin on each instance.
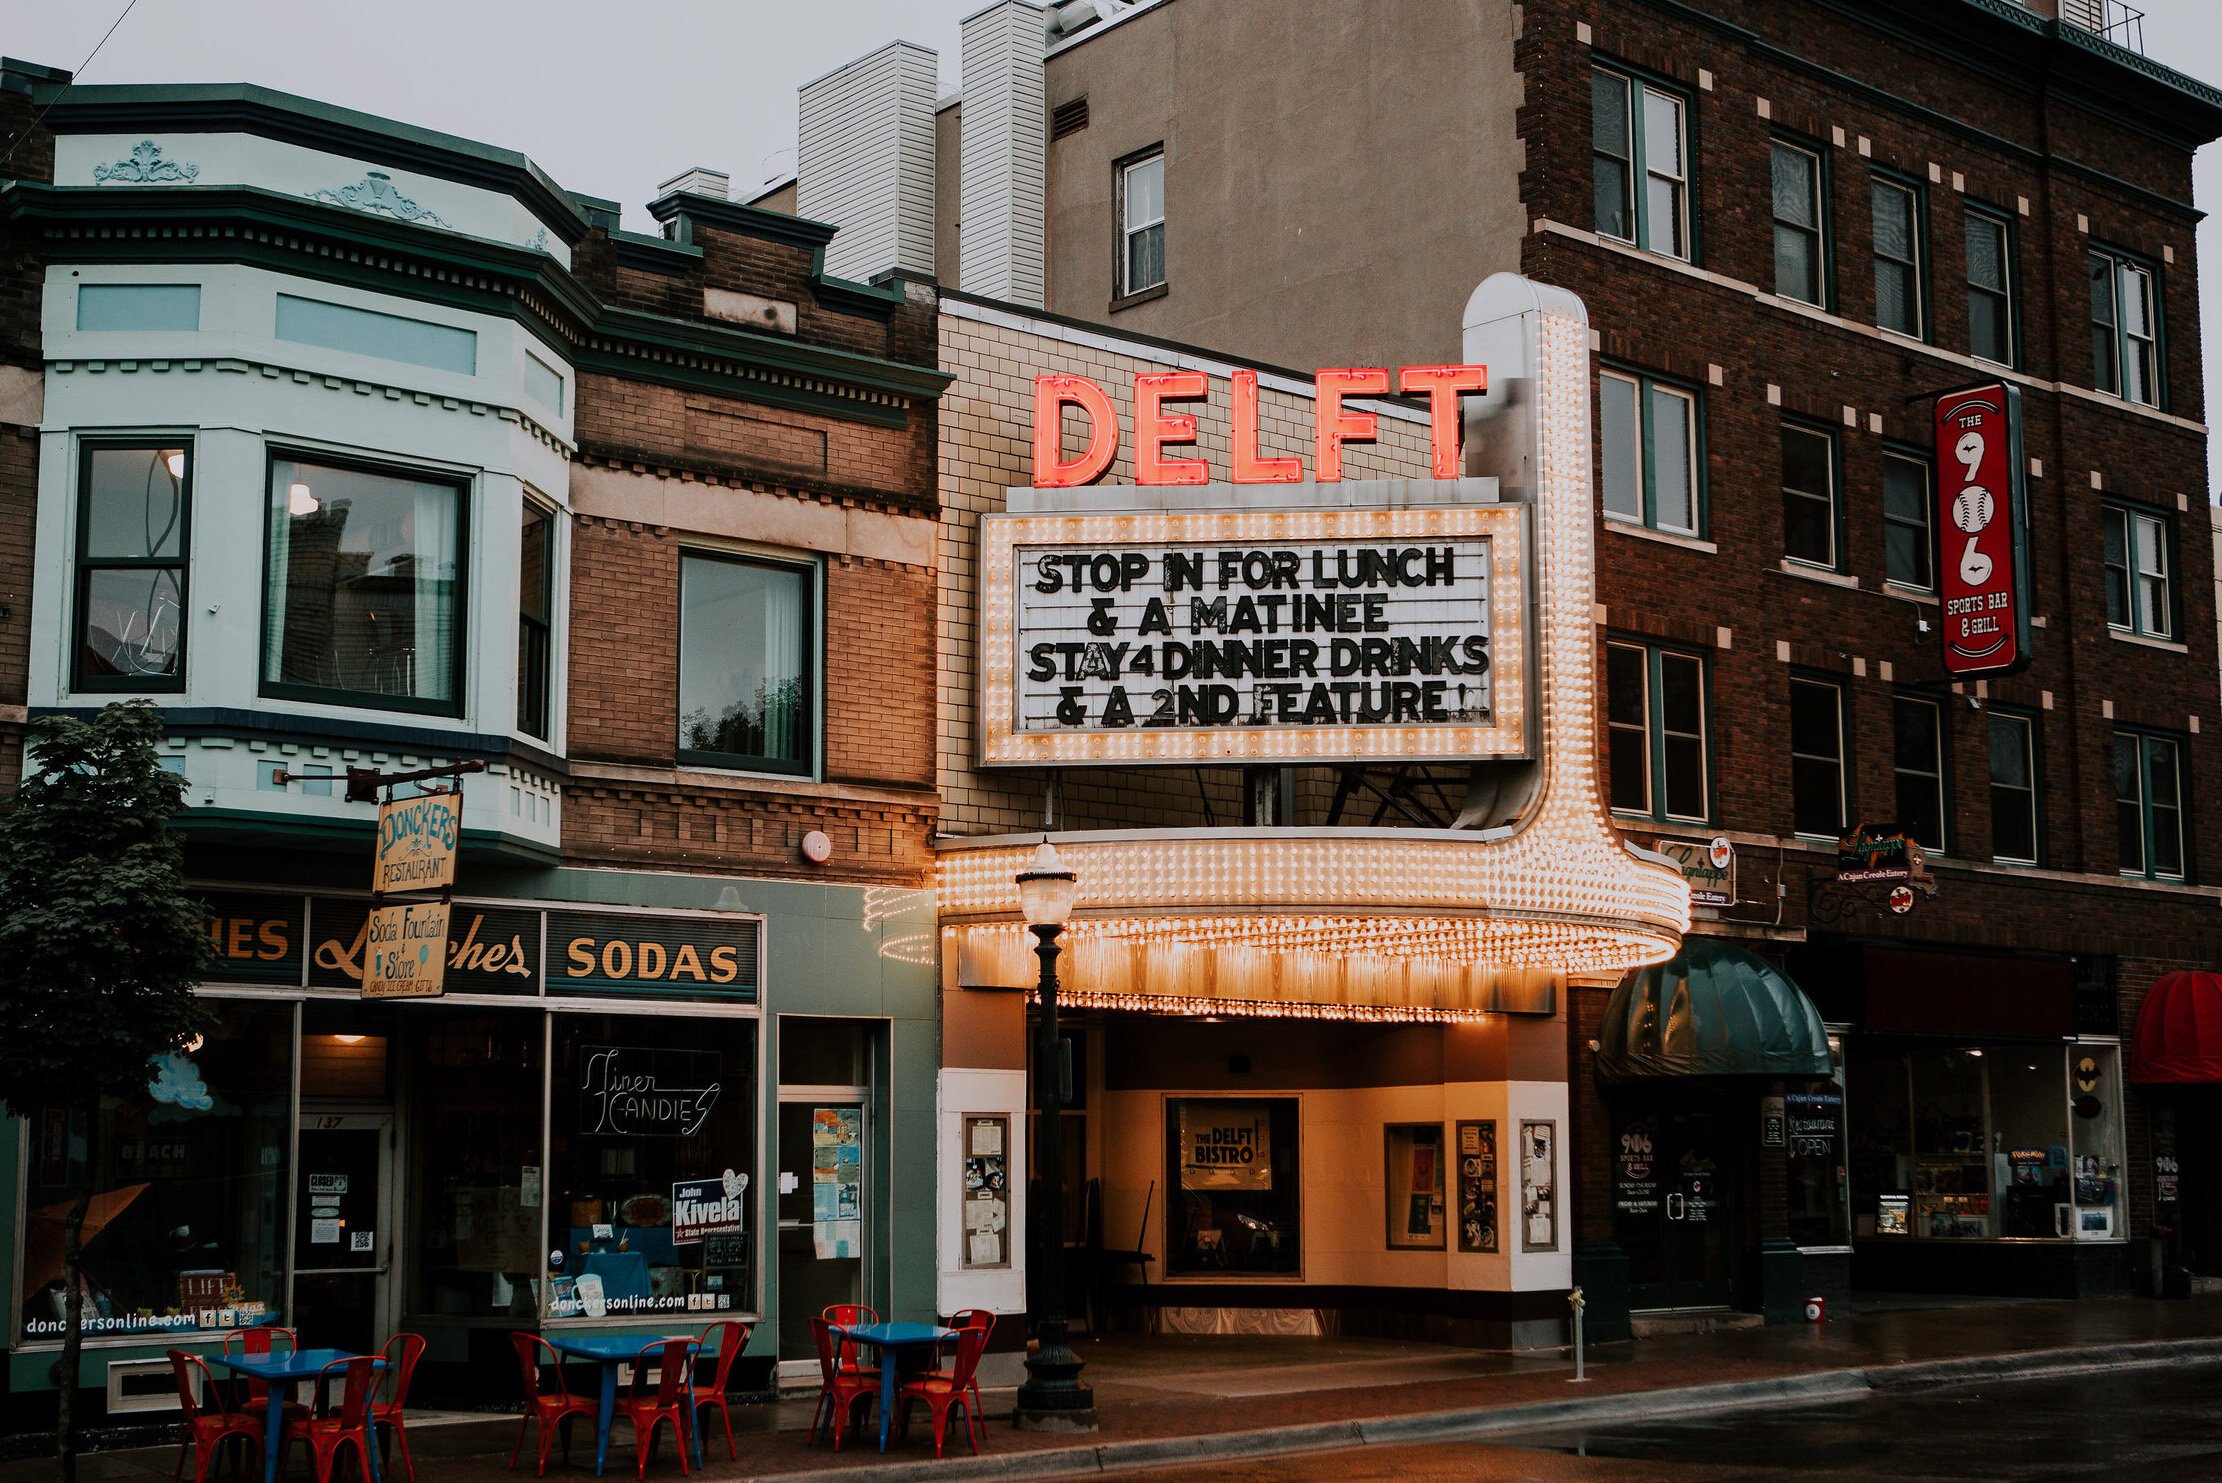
(2154, 1425)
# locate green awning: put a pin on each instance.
(1710, 1010)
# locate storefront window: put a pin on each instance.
(1233, 1163)
(1415, 1186)
(2001, 1139)
(476, 1202)
(652, 1154)
(187, 1226)
(1817, 1167)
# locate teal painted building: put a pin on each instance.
(361, 447)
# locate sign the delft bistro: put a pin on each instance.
(1251, 627)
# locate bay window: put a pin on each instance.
(131, 567)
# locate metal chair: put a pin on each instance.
(647, 1409)
(210, 1418)
(555, 1411)
(400, 1369)
(729, 1338)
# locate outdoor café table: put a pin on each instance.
(613, 1352)
(892, 1340)
(281, 1370)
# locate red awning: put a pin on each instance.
(2179, 1032)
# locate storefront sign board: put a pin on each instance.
(1225, 1146)
(416, 843)
(654, 956)
(1635, 1189)
(1880, 852)
(490, 949)
(1710, 884)
(405, 951)
(1254, 635)
(256, 938)
(1982, 531)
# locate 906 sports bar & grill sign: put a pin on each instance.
(1380, 618)
(1982, 525)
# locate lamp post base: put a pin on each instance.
(1053, 1397)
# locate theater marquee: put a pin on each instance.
(1254, 635)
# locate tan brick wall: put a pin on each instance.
(986, 448)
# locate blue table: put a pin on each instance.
(613, 1352)
(892, 1340)
(280, 1371)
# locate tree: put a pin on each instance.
(100, 947)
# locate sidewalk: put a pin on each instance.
(1172, 1399)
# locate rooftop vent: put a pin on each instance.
(700, 181)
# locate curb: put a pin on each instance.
(1816, 1387)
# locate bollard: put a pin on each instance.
(1575, 1301)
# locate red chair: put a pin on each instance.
(730, 1338)
(389, 1413)
(263, 1340)
(555, 1411)
(942, 1390)
(972, 1318)
(210, 1424)
(848, 1316)
(843, 1385)
(648, 1410)
(349, 1427)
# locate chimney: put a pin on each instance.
(700, 181)
(1003, 139)
(864, 161)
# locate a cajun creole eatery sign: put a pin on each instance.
(1308, 622)
(492, 947)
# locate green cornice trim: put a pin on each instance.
(214, 108)
(308, 238)
(654, 254)
(749, 221)
(251, 824)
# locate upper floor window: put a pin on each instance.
(2125, 328)
(1917, 763)
(2140, 567)
(1648, 431)
(1818, 802)
(1990, 287)
(1897, 218)
(1142, 223)
(748, 653)
(536, 561)
(2148, 804)
(1809, 515)
(1656, 736)
(364, 599)
(1640, 151)
(131, 555)
(1906, 540)
(2013, 788)
(1800, 269)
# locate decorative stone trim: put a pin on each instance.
(376, 192)
(146, 167)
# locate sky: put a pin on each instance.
(612, 99)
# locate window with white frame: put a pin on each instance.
(2125, 328)
(2148, 805)
(748, 663)
(1142, 223)
(1809, 515)
(1906, 539)
(1818, 805)
(1917, 768)
(1656, 740)
(1897, 225)
(2013, 787)
(1990, 287)
(1647, 430)
(1639, 151)
(2140, 572)
(1800, 270)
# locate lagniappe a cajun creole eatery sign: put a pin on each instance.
(509, 948)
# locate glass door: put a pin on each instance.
(822, 1212)
(343, 1231)
(1672, 1212)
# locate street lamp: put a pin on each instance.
(1052, 1397)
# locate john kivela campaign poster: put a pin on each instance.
(1225, 1145)
(1251, 636)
